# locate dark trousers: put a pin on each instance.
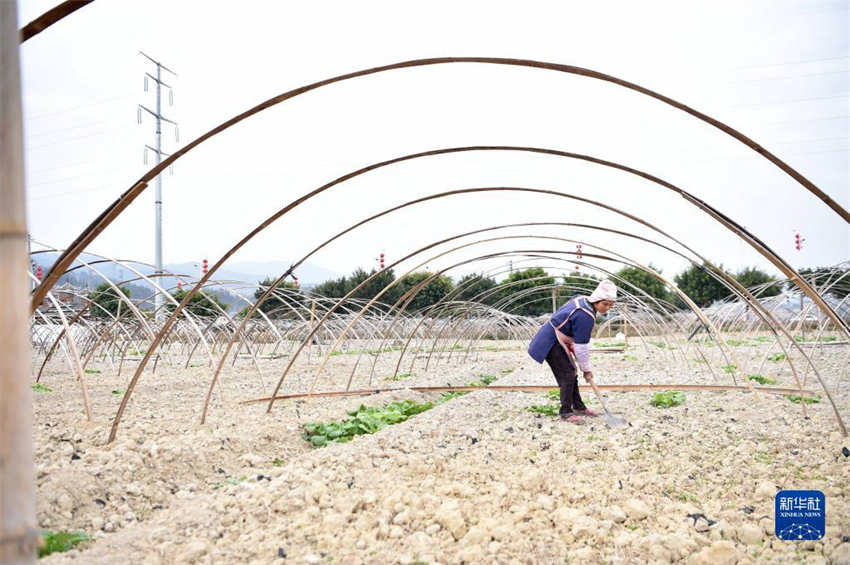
(565, 375)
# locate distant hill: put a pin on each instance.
(247, 272)
(255, 271)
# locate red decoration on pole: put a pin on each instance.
(798, 242)
(382, 259)
(38, 273)
(179, 285)
(204, 266)
(296, 280)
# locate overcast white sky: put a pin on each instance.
(775, 70)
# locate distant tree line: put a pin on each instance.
(106, 303)
(524, 292)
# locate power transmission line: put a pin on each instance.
(787, 63)
(111, 99)
(52, 132)
(789, 77)
(158, 153)
(85, 175)
(807, 120)
(99, 131)
(75, 193)
(769, 103)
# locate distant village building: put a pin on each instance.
(72, 299)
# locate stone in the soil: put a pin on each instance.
(841, 554)
(636, 509)
(749, 534)
(350, 501)
(583, 555)
(765, 490)
(615, 514)
(476, 535)
(450, 517)
(471, 554)
(718, 553)
(192, 552)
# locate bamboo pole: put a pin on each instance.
(18, 534)
(625, 324)
(535, 388)
(76, 365)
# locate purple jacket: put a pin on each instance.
(575, 319)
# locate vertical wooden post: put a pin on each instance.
(625, 325)
(18, 534)
(554, 300)
(312, 321)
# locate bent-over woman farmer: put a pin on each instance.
(570, 328)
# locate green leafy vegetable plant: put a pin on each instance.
(484, 380)
(57, 542)
(364, 420)
(446, 396)
(545, 409)
(399, 376)
(668, 398)
(761, 379)
(796, 399)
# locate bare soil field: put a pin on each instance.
(476, 479)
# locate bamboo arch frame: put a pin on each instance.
(149, 279)
(274, 396)
(72, 347)
(724, 278)
(443, 309)
(412, 292)
(619, 258)
(515, 297)
(466, 307)
(726, 222)
(555, 287)
(694, 308)
(327, 242)
(108, 215)
(612, 275)
(47, 19)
